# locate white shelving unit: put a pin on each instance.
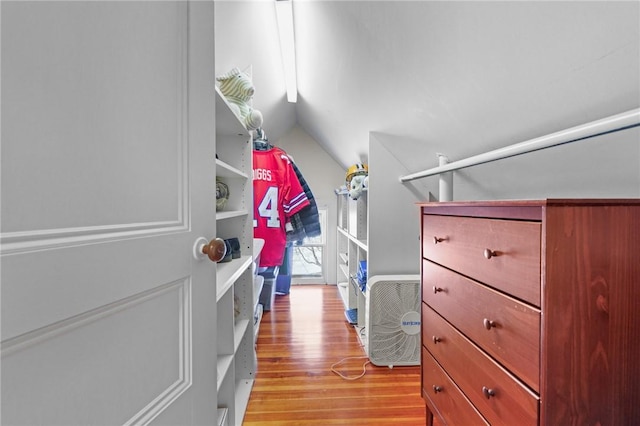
(381, 227)
(236, 363)
(352, 249)
(258, 283)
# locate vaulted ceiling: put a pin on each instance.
(451, 77)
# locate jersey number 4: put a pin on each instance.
(268, 208)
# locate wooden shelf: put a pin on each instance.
(231, 214)
(229, 272)
(224, 366)
(225, 170)
(227, 123)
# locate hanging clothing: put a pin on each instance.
(305, 223)
(277, 195)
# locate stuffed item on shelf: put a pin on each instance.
(238, 89)
(222, 194)
(356, 187)
(356, 176)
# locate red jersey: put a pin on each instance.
(277, 195)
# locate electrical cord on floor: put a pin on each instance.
(362, 335)
(364, 367)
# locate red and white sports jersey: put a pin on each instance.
(277, 195)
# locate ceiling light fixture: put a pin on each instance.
(284, 15)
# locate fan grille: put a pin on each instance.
(389, 342)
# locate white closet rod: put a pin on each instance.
(610, 124)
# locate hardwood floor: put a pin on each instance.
(302, 336)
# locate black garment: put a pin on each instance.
(306, 223)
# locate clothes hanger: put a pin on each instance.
(260, 141)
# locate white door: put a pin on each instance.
(108, 166)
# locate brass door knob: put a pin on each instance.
(215, 250)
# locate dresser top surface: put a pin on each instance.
(518, 209)
(543, 202)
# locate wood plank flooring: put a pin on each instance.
(302, 336)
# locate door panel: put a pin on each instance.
(107, 156)
(154, 324)
(101, 89)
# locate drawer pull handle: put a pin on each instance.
(488, 324)
(436, 340)
(488, 393)
(437, 240)
(437, 389)
(488, 253)
(437, 290)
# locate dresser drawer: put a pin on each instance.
(499, 396)
(439, 391)
(506, 328)
(504, 254)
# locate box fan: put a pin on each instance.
(393, 320)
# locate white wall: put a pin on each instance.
(247, 38)
(606, 166)
(323, 174)
(393, 216)
(461, 77)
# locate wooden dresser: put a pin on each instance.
(531, 312)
